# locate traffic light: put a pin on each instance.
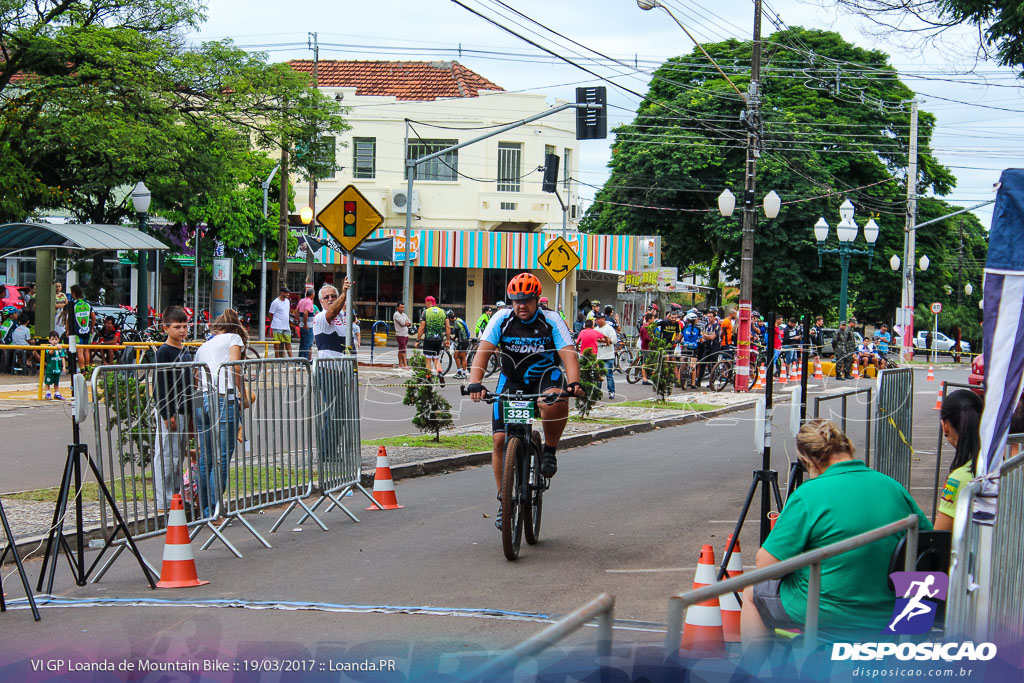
(550, 173)
(592, 124)
(349, 229)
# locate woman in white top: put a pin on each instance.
(228, 389)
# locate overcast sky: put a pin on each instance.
(978, 139)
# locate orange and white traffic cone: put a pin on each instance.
(931, 374)
(938, 399)
(702, 631)
(784, 378)
(799, 371)
(383, 485)
(818, 374)
(179, 567)
(856, 370)
(730, 605)
(759, 384)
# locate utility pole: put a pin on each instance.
(909, 240)
(753, 121)
(315, 46)
(960, 264)
(282, 226)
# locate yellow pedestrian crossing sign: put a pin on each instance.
(350, 218)
(558, 259)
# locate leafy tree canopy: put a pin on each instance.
(823, 142)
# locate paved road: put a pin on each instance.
(626, 516)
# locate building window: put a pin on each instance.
(364, 158)
(510, 155)
(507, 206)
(445, 167)
(550, 149)
(567, 168)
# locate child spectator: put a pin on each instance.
(56, 365)
(171, 397)
(588, 337)
(960, 421)
(109, 334)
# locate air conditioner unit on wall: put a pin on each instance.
(400, 202)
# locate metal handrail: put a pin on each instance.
(957, 602)
(678, 603)
(602, 607)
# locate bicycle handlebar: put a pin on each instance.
(546, 397)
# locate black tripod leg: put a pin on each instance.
(12, 546)
(56, 526)
(739, 523)
(796, 477)
(773, 476)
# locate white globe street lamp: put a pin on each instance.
(772, 204)
(968, 289)
(924, 262)
(726, 203)
(894, 263)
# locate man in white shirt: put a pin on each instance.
(402, 324)
(606, 349)
(329, 323)
(280, 325)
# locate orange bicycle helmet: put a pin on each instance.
(524, 286)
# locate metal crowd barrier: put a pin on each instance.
(962, 599)
(895, 424)
(141, 460)
(338, 440)
(946, 386)
(602, 607)
(843, 398)
(679, 603)
(1006, 618)
(263, 438)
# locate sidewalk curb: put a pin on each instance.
(461, 461)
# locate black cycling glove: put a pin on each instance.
(475, 388)
(571, 386)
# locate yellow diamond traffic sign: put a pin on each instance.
(350, 218)
(558, 259)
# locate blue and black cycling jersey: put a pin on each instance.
(527, 348)
(691, 336)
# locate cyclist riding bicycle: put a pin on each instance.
(537, 356)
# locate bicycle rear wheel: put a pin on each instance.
(511, 510)
(535, 501)
(633, 373)
(492, 365)
(721, 375)
(623, 359)
(445, 361)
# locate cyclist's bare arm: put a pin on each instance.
(571, 363)
(476, 373)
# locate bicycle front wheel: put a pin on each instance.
(623, 359)
(445, 361)
(633, 373)
(492, 365)
(535, 500)
(511, 510)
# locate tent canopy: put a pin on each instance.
(18, 236)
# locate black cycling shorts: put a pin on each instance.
(431, 348)
(462, 345)
(553, 377)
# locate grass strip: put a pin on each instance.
(459, 442)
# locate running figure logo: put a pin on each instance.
(915, 611)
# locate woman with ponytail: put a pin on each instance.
(960, 420)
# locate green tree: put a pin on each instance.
(687, 144)
(433, 411)
(592, 371)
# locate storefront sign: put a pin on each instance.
(667, 278)
(399, 251)
(640, 281)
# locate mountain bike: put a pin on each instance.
(723, 374)
(493, 363)
(625, 355)
(522, 484)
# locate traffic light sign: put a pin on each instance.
(349, 229)
(592, 124)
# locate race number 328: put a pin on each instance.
(518, 412)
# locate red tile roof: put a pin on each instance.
(403, 80)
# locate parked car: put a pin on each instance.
(977, 376)
(942, 343)
(13, 296)
(828, 334)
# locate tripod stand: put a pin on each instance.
(766, 478)
(78, 451)
(12, 545)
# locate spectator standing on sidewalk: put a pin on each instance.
(56, 365)
(329, 324)
(305, 312)
(817, 338)
(402, 325)
(81, 321)
(606, 349)
(588, 337)
(843, 346)
(280, 324)
(171, 398)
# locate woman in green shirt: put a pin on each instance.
(842, 498)
(960, 420)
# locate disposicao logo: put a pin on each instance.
(914, 613)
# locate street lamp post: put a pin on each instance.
(846, 231)
(923, 263)
(141, 199)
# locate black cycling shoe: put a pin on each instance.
(549, 465)
(497, 518)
